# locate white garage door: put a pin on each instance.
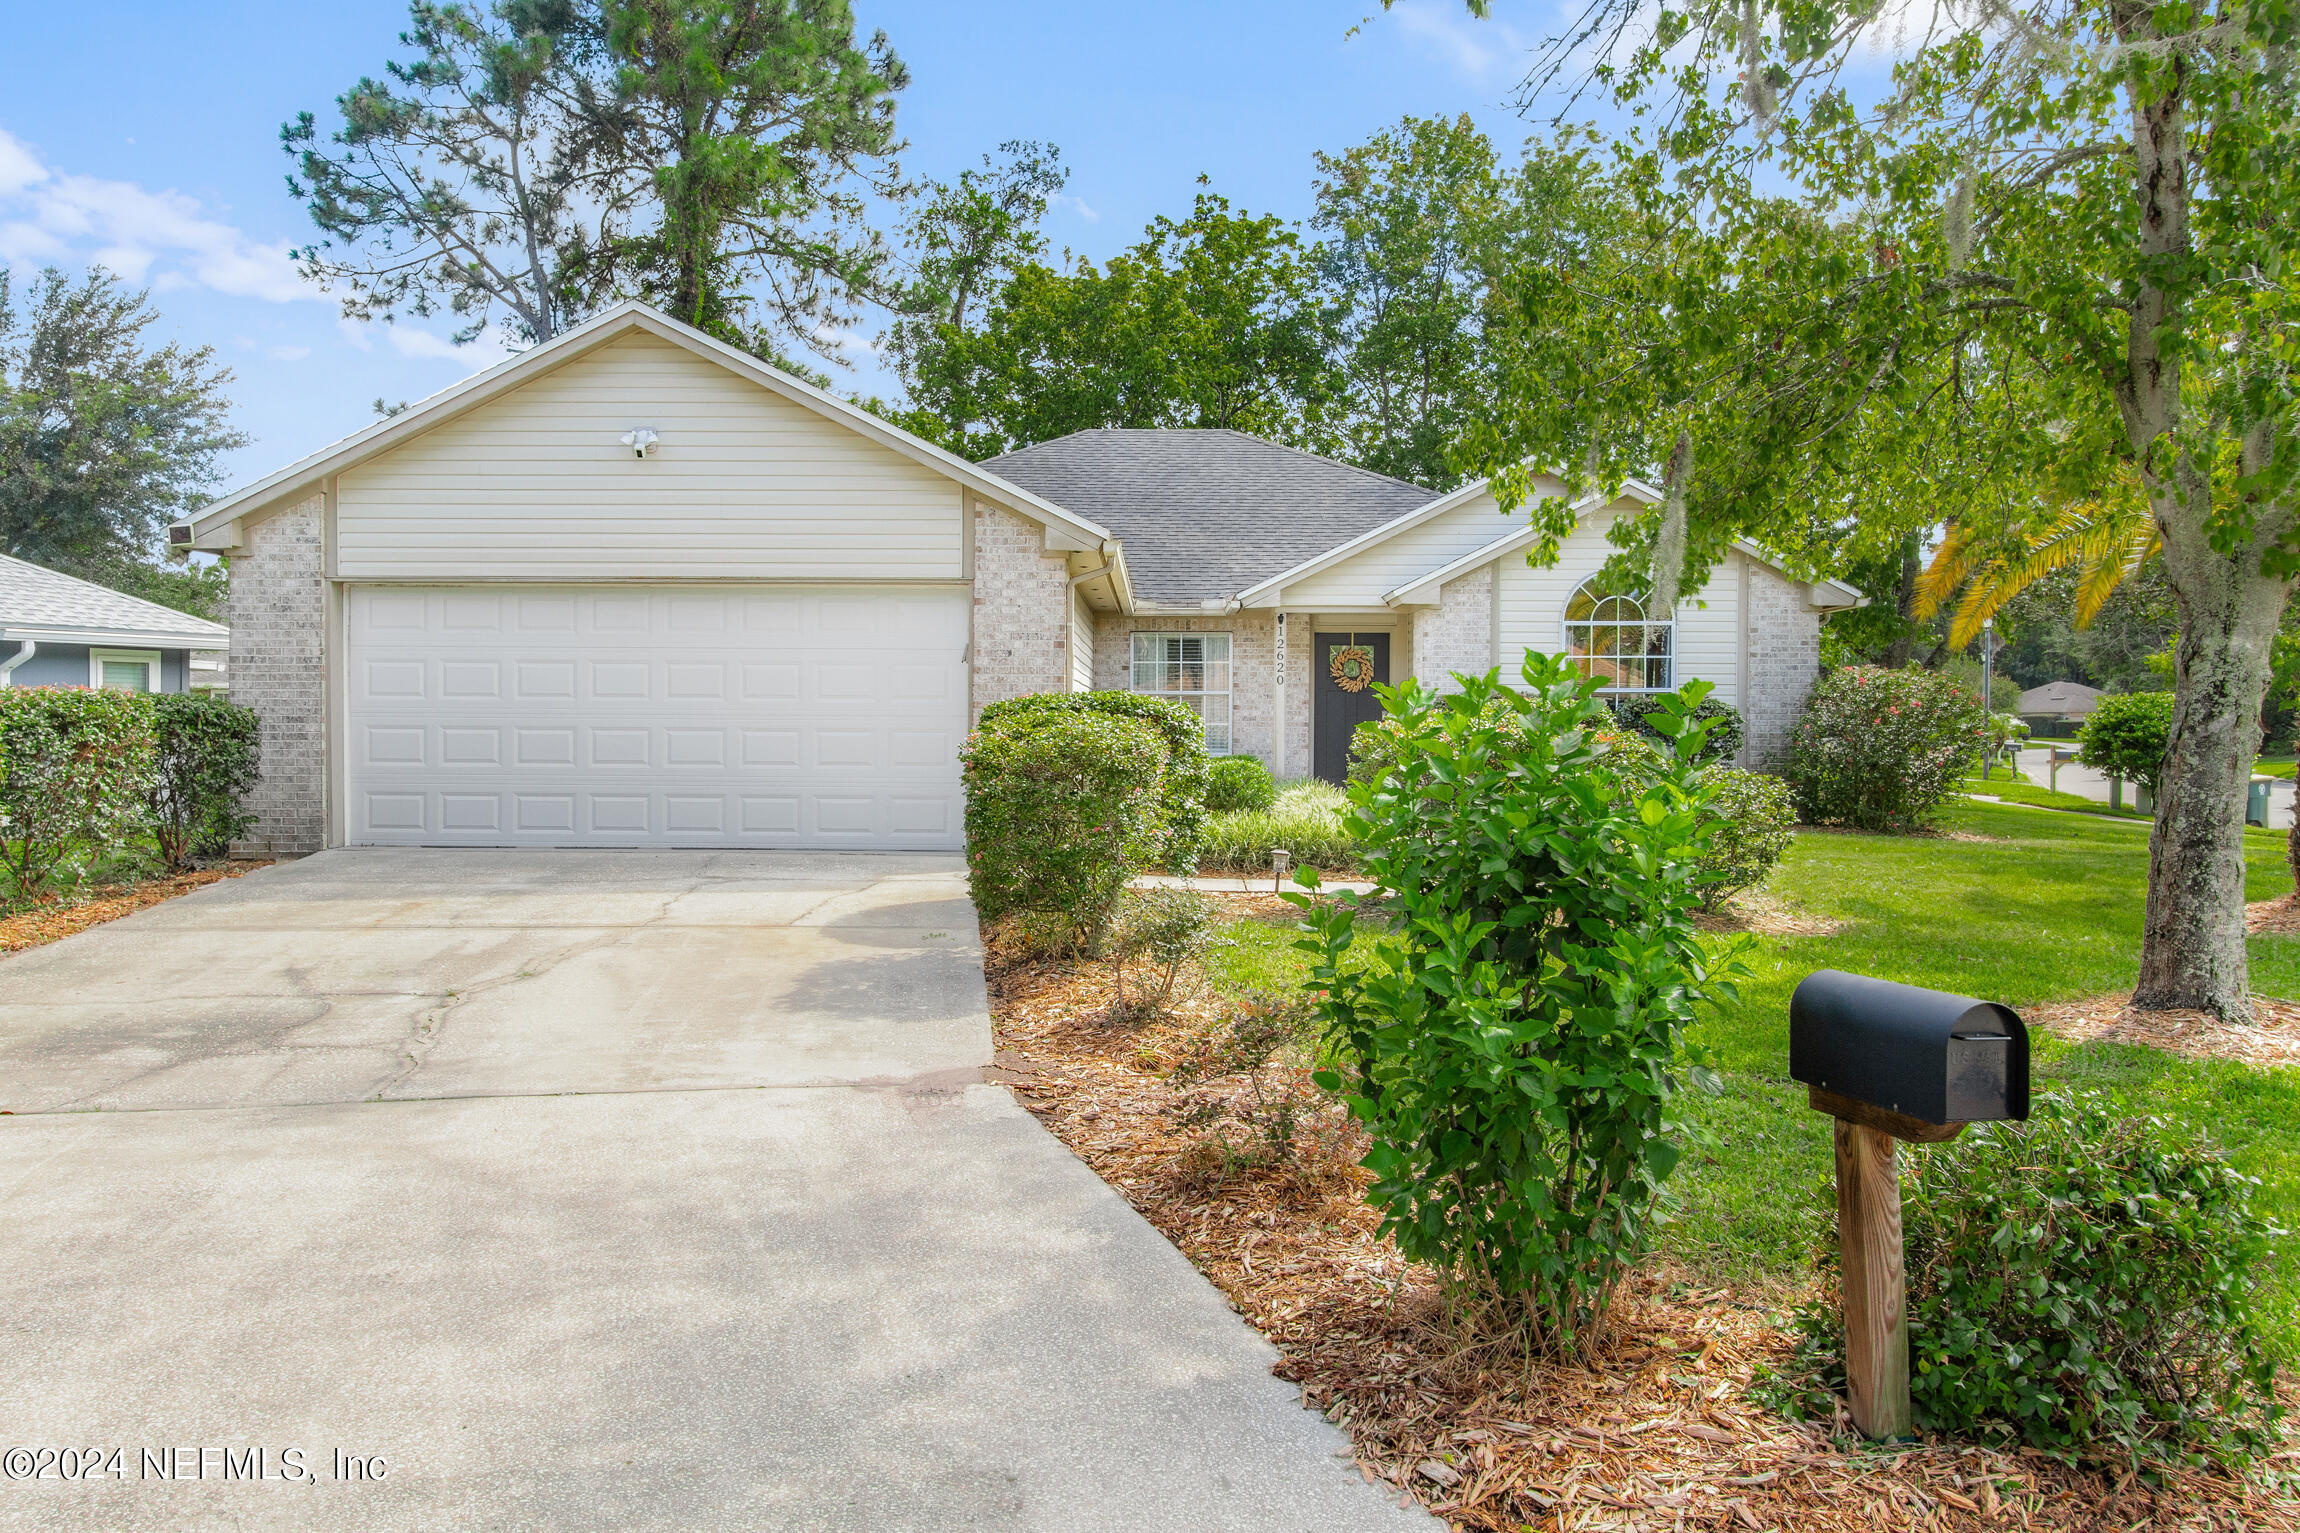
(764, 716)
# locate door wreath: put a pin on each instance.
(1353, 667)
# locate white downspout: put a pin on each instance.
(8, 666)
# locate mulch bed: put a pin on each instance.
(49, 920)
(2273, 918)
(1658, 1431)
(2197, 1034)
(1768, 915)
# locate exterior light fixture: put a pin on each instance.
(641, 441)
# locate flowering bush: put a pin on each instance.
(1062, 807)
(1879, 749)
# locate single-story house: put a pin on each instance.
(635, 587)
(2056, 703)
(60, 631)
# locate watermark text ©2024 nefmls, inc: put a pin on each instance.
(278, 1466)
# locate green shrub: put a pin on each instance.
(1061, 809)
(74, 768)
(1305, 818)
(1513, 1042)
(1753, 814)
(206, 764)
(1879, 749)
(1726, 732)
(2087, 1281)
(1239, 782)
(2126, 735)
(1182, 774)
(1166, 926)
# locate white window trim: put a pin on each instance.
(1566, 625)
(1229, 693)
(150, 659)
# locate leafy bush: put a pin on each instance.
(1182, 781)
(1726, 732)
(1237, 783)
(2086, 1280)
(206, 763)
(1879, 749)
(1306, 819)
(1513, 1043)
(2126, 735)
(74, 768)
(1753, 814)
(1061, 809)
(1166, 926)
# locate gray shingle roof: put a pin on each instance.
(1205, 514)
(34, 597)
(2071, 697)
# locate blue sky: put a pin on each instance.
(145, 136)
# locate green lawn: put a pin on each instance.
(2019, 791)
(2273, 767)
(2048, 909)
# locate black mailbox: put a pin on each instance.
(1925, 1054)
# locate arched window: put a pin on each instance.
(1608, 632)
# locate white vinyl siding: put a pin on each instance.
(1192, 669)
(1707, 642)
(1366, 577)
(628, 715)
(743, 485)
(1081, 644)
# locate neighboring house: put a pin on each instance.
(2068, 702)
(635, 587)
(60, 631)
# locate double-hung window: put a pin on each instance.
(1194, 670)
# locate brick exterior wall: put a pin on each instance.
(1253, 678)
(278, 616)
(1457, 633)
(1021, 641)
(1784, 648)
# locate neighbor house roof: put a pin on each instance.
(212, 527)
(46, 606)
(2072, 699)
(1205, 514)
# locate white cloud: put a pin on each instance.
(1077, 204)
(1472, 48)
(287, 353)
(484, 352)
(853, 343)
(164, 238)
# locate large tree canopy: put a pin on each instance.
(537, 159)
(2051, 253)
(1210, 320)
(105, 438)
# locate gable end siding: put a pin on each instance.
(743, 485)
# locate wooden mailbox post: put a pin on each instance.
(1892, 1062)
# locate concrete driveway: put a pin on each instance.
(588, 1191)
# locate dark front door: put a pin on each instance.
(1342, 703)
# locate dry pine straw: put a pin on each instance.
(51, 920)
(1659, 1431)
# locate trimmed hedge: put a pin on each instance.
(1751, 818)
(1239, 783)
(74, 768)
(1062, 807)
(1183, 774)
(207, 763)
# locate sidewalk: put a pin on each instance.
(2084, 782)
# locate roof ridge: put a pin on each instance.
(1355, 468)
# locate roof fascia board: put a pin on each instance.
(57, 633)
(512, 372)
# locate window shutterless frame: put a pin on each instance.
(1194, 670)
(124, 670)
(1608, 634)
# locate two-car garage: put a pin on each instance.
(686, 715)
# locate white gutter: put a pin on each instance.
(8, 666)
